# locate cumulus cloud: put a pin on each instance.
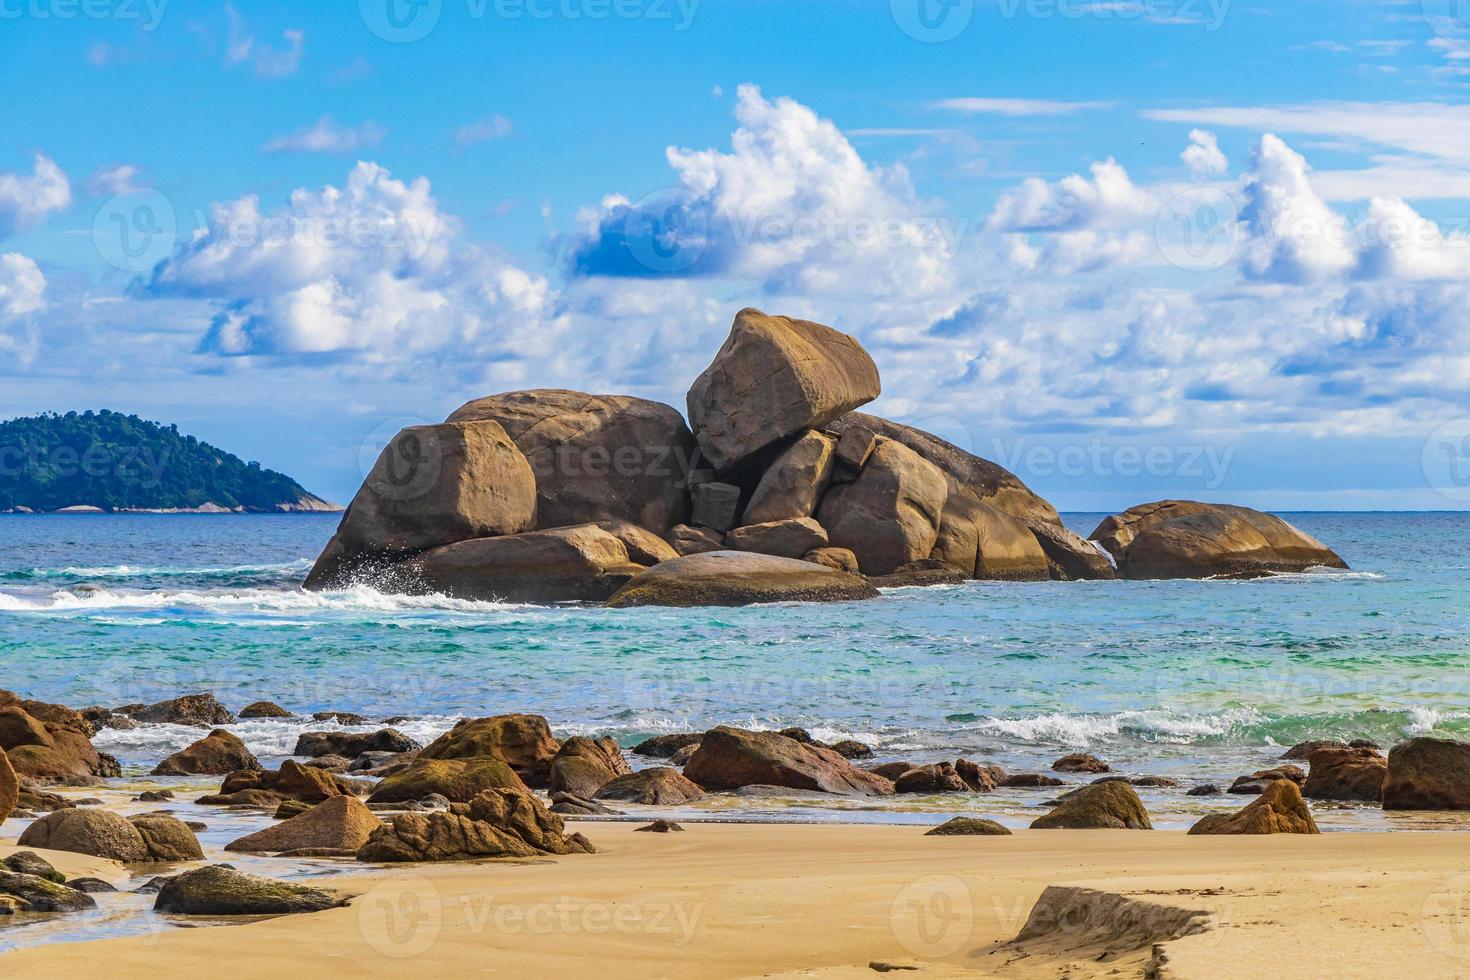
(26, 200)
(1202, 156)
(1295, 237)
(22, 293)
(241, 47)
(1109, 199)
(371, 270)
(326, 136)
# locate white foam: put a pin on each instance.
(267, 738)
(1083, 730)
(269, 601)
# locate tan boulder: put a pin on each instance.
(1098, 806)
(9, 787)
(1278, 810)
(1345, 774)
(167, 838)
(986, 543)
(738, 578)
(497, 823)
(596, 457)
(102, 833)
(643, 546)
(583, 766)
(457, 780)
(773, 378)
(729, 758)
(841, 559)
(890, 515)
(988, 482)
(49, 741)
(688, 540)
(431, 486)
(523, 742)
(565, 564)
(268, 787)
(342, 822)
(793, 484)
(1188, 539)
(787, 539)
(1071, 557)
(657, 786)
(1428, 774)
(217, 754)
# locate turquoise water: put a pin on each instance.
(1199, 680)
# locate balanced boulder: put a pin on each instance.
(1428, 774)
(1098, 806)
(1279, 810)
(776, 377)
(596, 457)
(729, 758)
(339, 823)
(216, 754)
(890, 515)
(736, 578)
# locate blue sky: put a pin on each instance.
(1130, 250)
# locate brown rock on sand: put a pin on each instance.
(658, 786)
(497, 823)
(523, 742)
(940, 777)
(583, 766)
(1279, 810)
(773, 378)
(1112, 805)
(1428, 774)
(729, 758)
(1345, 774)
(102, 833)
(217, 754)
(341, 822)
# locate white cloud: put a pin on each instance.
(326, 136)
(22, 293)
(1109, 199)
(482, 131)
(1019, 107)
(241, 47)
(1295, 236)
(108, 181)
(26, 200)
(1202, 156)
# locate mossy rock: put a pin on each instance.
(31, 863)
(222, 891)
(1099, 806)
(969, 827)
(36, 894)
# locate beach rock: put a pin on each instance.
(988, 482)
(565, 564)
(352, 744)
(1071, 557)
(939, 777)
(32, 893)
(523, 742)
(583, 766)
(729, 758)
(268, 787)
(773, 378)
(197, 710)
(659, 786)
(688, 540)
(1363, 743)
(341, 822)
(715, 506)
(787, 538)
(102, 833)
(737, 578)
(340, 717)
(793, 484)
(1112, 805)
(167, 838)
(643, 546)
(1345, 774)
(31, 863)
(890, 515)
(1280, 810)
(841, 559)
(216, 754)
(566, 803)
(968, 827)
(987, 543)
(458, 780)
(432, 485)
(1187, 539)
(331, 763)
(497, 823)
(1029, 780)
(92, 886)
(663, 746)
(264, 709)
(659, 827)
(920, 574)
(979, 778)
(49, 741)
(9, 787)
(222, 891)
(1301, 750)
(1257, 781)
(1080, 762)
(1428, 774)
(292, 808)
(681, 757)
(596, 457)
(1205, 789)
(1163, 782)
(851, 748)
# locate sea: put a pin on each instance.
(1199, 681)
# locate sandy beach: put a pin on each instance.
(731, 900)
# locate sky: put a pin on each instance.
(1214, 249)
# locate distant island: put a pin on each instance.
(107, 462)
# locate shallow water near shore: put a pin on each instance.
(1199, 681)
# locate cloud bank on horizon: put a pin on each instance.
(1220, 288)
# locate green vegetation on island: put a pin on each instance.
(114, 462)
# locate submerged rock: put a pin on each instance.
(729, 758)
(734, 578)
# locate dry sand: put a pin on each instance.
(723, 900)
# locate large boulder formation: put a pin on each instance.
(583, 766)
(1098, 806)
(596, 457)
(776, 377)
(1070, 556)
(729, 758)
(565, 564)
(218, 890)
(49, 741)
(1188, 539)
(457, 780)
(9, 787)
(656, 786)
(341, 823)
(523, 742)
(986, 543)
(1279, 810)
(793, 484)
(989, 482)
(497, 823)
(1345, 774)
(890, 515)
(102, 833)
(432, 485)
(217, 754)
(1428, 774)
(738, 578)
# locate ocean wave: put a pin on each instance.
(264, 601)
(267, 738)
(1083, 730)
(125, 571)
